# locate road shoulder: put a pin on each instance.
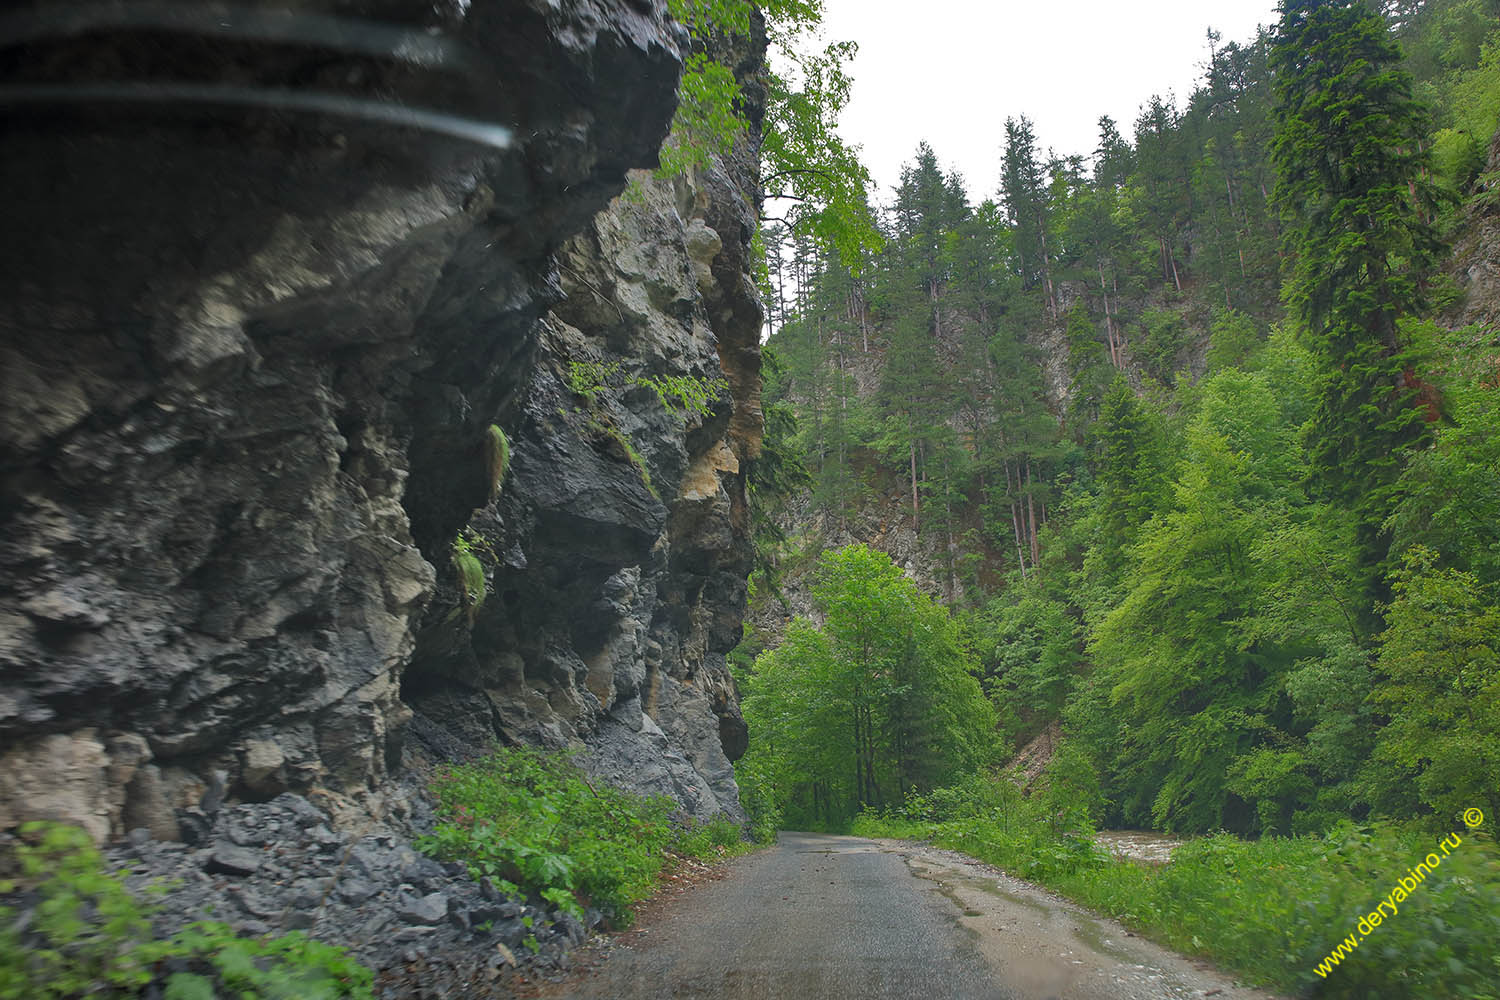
(1047, 946)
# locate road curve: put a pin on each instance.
(846, 918)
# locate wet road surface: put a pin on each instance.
(843, 917)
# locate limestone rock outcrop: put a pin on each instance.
(1477, 251)
(617, 550)
(254, 330)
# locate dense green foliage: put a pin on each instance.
(804, 161)
(537, 825)
(91, 937)
(691, 395)
(1237, 537)
(1208, 482)
(874, 703)
(1271, 909)
(1357, 196)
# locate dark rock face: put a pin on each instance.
(248, 360)
(618, 549)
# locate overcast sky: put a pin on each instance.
(952, 71)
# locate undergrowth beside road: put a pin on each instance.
(82, 933)
(1270, 909)
(535, 824)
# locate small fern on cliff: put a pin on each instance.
(497, 451)
(470, 570)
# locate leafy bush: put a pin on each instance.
(291, 967)
(716, 837)
(1160, 350)
(535, 823)
(590, 378)
(685, 393)
(758, 796)
(90, 936)
(1233, 338)
(974, 795)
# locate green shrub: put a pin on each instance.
(290, 967)
(535, 823)
(1233, 339)
(685, 393)
(758, 796)
(718, 837)
(1160, 350)
(589, 378)
(90, 936)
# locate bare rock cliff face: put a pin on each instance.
(617, 552)
(249, 358)
(1477, 252)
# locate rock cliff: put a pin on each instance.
(1477, 250)
(251, 348)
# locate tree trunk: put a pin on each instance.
(1015, 521)
(1047, 271)
(859, 779)
(1109, 320)
(1036, 551)
(915, 510)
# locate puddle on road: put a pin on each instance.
(1086, 930)
(992, 887)
(995, 890)
(1089, 933)
(948, 882)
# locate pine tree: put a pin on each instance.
(1164, 172)
(1132, 468)
(914, 391)
(1113, 160)
(1354, 193)
(1023, 188)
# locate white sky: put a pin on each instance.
(952, 71)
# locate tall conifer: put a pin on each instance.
(1355, 194)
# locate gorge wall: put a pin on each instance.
(249, 362)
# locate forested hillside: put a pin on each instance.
(1187, 431)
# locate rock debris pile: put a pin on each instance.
(278, 866)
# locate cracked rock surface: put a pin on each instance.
(249, 359)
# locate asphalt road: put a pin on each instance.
(841, 917)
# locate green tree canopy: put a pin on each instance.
(878, 700)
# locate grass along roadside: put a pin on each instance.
(537, 826)
(1268, 909)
